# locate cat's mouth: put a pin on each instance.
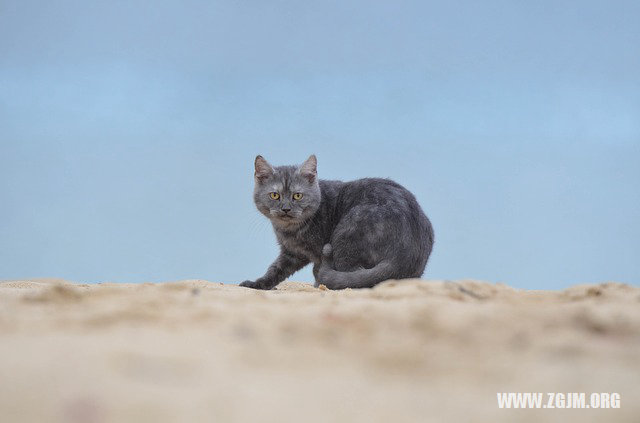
(286, 218)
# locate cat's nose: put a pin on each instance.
(286, 210)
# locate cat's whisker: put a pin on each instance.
(256, 225)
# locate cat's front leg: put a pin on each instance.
(284, 266)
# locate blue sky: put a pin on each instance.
(128, 132)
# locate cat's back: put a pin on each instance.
(374, 200)
(375, 191)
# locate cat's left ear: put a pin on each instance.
(263, 169)
(309, 169)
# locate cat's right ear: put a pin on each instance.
(309, 169)
(263, 169)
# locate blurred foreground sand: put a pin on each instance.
(410, 351)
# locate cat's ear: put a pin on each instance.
(309, 169)
(263, 169)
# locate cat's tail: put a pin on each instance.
(361, 278)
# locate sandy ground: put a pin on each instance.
(410, 351)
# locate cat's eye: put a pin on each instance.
(297, 196)
(274, 195)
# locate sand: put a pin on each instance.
(409, 351)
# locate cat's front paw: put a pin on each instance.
(255, 285)
(250, 284)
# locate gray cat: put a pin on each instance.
(356, 234)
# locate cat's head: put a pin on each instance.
(288, 195)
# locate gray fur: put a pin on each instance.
(356, 234)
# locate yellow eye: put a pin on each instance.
(297, 196)
(274, 195)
